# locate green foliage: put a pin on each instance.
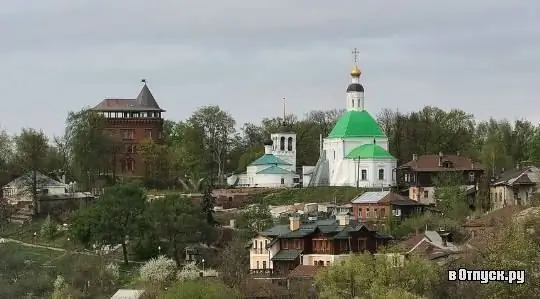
(200, 289)
(179, 222)
(48, 228)
(233, 262)
(255, 218)
(366, 276)
(340, 195)
(451, 196)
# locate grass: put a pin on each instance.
(340, 195)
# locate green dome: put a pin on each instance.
(369, 151)
(356, 124)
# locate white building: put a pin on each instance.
(355, 153)
(275, 168)
(19, 190)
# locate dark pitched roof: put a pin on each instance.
(329, 227)
(287, 255)
(276, 231)
(517, 177)
(431, 163)
(305, 271)
(145, 101)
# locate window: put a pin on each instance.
(396, 212)
(265, 243)
(382, 212)
(364, 174)
(407, 178)
(381, 174)
(368, 213)
(148, 133)
(282, 181)
(290, 144)
(472, 177)
(426, 194)
(264, 264)
(255, 245)
(327, 263)
(127, 134)
(334, 155)
(285, 244)
(375, 212)
(131, 165)
(314, 263)
(282, 144)
(321, 263)
(130, 148)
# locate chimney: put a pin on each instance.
(440, 159)
(343, 219)
(294, 223)
(415, 157)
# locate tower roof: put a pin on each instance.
(145, 101)
(369, 151)
(356, 124)
(355, 87)
(355, 72)
(268, 159)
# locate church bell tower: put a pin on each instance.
(284, 142)
(355, 90)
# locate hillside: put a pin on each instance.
(340, 195)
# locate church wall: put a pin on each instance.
(273, 180)
(349, 170)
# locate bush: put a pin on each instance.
(48, 228)
(159, 270)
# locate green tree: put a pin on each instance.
(114, 218)
(155, 158)
(234, 263)
(451, 197)
(207, 204)
(31, 149)
(255, 218)
(200, 289)
(178, 221)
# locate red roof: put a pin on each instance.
(431, 163)
(305, 271)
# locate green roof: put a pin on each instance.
(287, 255)
(369, 151)
(268, 159)
(275, 170)
(356, 124)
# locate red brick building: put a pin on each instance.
(132, 120)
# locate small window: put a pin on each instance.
(264, 264)
(148, 133)
(282, 181)
(334, 155)
(472, 177)
(381, 174)
(426, 194)
(364, 175)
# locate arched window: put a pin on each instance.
(381, 174)
(282, 144)
(289, 143)
(352, 103)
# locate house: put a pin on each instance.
(282, 248)
(20, 189)
(432, 245)
(335, 209)
(418, 176)
(383, 206)
(514, 187)
(130, 121)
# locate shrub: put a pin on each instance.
(48, 228)
(159, 270)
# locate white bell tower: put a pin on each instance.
(284, 143)
(355, 90)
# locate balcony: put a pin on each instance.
(259, 251)
(322, 251)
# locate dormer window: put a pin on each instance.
(447, 164)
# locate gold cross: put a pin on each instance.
(355, 55)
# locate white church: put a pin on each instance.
(355, 153)
(275, 168)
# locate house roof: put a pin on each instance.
(431, 163)
(356, 124)
(526, 176)
(431, 238)
(369, 151)
(384, 197)
(287, 255)
(276, 230)
(41, 179)
(329, 227)
(268, 159)
(494, 217)
(275, 170)
(145, 101)
(305, 271)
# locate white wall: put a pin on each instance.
(309, 259)
(266, 180)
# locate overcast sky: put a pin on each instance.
(482, 56)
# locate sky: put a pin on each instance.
(57, 56)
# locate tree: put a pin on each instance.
(155, 158)
(6, 157)
(199, 289)
(451, 196)
(114, 218)
(366, 276)
(93, 151)
(207, 205)
(31, 148)
(215, 128)
(234, 263)
(179, 222)
(256, 218)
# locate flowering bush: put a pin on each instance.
(113, 270)
(189, 271)
(158, 270)
(48, 228)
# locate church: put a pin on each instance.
(355, 153)
(275, 168)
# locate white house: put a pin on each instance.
(275, 168)
(19, 190)
(355, 153)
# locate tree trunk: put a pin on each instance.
(124, 252)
